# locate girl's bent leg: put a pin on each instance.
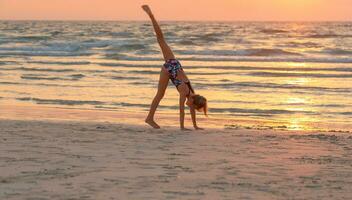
(163, 82)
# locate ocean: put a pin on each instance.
(275, 75)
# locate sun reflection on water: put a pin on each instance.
(297, 81)
(298, 103)
(299, 123)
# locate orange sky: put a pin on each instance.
(233, 10)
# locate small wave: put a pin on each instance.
(275, 86)
(190, 73)
(60, 101)
(143, 72)
(40, 49)
(316, 106)
(127, 48)
(9, 83)
(240, 68)
(51, 85)
(37, 69)
(73, 77)
(209, 37)
(56, 33)
(77, 76)
(186, 42)
(123, 78)
(118, 56)
(242, 52)
(243, 56)
(207, 52)
(328, 35)
(259, 112)
(133, 46)
(129, 65)
(346, 113)
(122, 34)
(268, 52)
(44, 53)
(35, 77)
(304, 44)
(296, 69)
(131, 104)
(30, 38)
(95, 43)
(115, 106)
(277, 74)
(148, 25)
(263, 59)
(256, 127)
(59, 46)
(337, 51)
(55, 48)
(60, 63)
(5, 41)
(145, 84)
(126, 104)
(330, 105)
(41, 78)
(236, 59)
(272, 31)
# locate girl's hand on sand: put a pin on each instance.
(147, 9)
(185, 129)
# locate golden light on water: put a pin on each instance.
(297, 81)
(297, 103)
(295, 124)
(299, 123)
(296, 100)
(297, 64)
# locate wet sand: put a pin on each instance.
(100, 160)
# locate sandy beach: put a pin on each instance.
(52, 159)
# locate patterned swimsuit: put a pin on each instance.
(173, 66)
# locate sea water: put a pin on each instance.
(296, 75)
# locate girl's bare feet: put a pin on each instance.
(152, 123)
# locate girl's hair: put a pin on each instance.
(200, 104)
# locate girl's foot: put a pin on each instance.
(152, 123)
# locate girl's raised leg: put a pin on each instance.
(167, 52)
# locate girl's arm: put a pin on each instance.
(182, 112)
(167, 52)
(194, 120)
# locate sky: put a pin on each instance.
(185, 10)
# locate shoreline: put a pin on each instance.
(165, 120)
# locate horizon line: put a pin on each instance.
(117, 20)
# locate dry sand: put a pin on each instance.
(98, 160)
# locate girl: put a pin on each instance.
(172, 69)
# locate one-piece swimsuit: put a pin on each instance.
(173, 66)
